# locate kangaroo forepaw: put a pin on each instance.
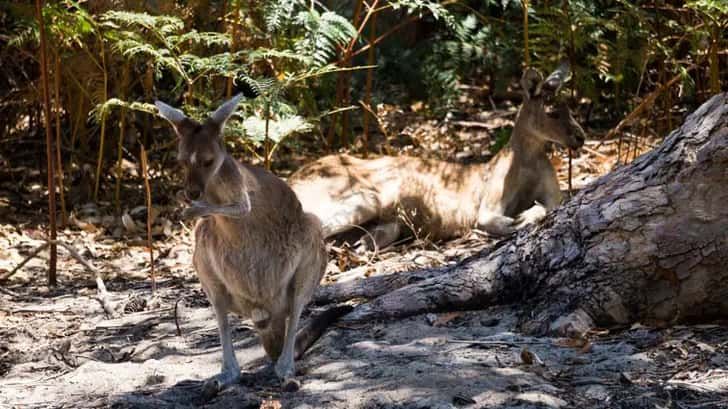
(530, 216)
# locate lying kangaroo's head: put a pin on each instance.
(542, 115)
(200, 145)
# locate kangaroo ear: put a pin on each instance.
(556, 79)
(173, 115)
(223, 113)
(529, 82)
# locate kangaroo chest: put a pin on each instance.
(253, 265)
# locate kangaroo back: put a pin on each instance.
(441, 199)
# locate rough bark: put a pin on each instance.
(374, 286)
(648, 241)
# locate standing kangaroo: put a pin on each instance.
(257, 253)
(517, 187)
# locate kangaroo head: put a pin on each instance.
(200, 147)
(544, 116)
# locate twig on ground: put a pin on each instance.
(102, 295)
(176, 318)
(506, 343)
(8, 292)
(148, 194)
(473, 124)
(25, 261)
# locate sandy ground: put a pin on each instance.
(59, 350)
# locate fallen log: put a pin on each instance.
(648, 241)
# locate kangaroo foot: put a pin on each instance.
(217, 383)
(290, 385)
(286, 373)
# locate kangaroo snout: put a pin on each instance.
(193, 193)
(577, 138)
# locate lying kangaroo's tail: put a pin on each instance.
(316, 326)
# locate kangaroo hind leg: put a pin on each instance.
(381, 236)
(304, 283)
(353, 210)
(230, 371)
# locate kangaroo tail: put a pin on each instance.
(316, 326)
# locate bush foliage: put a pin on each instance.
(307, 62)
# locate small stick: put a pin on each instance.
(594, 152)
(8, 292)
(370, 79)
(646, 103)
(148, 192)
(102, 294)
(52, 261)
(176, 318)
(24, 262)
(507, 343)
(570, 186)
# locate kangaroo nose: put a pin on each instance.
(579, 139)
(193, 193)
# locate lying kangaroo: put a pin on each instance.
(257, 253)
(517, 187)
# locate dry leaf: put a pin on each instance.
(87, 227)
(571, 342)
(527, 356)
(586, 348)
(270, 404)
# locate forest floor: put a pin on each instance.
(59, 349)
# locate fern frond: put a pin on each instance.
(103, 109)
(165, 25)
(278, 130)
(207, 39)
(266, 53)
(279, 13)
(419, 7)
(323, 34)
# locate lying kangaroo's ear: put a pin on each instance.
(223, 113)
(556, 79)
(173, 115)
(529, 82)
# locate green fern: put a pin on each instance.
(420, 7)
(278, 14)
(278, 129)
(323, 33)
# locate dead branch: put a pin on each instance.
(148, 194)
(25, 261)
(52, 261)
(102, 295)
(646, 102)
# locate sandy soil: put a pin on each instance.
(59, 350)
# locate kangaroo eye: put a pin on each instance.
(207, 163)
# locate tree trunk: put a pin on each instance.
(648, 241)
